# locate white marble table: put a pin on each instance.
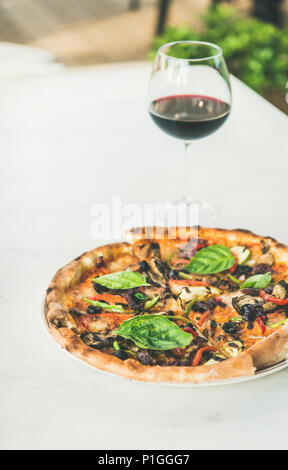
(65, 140)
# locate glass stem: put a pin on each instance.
(188, 170)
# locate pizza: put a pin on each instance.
(178, 305)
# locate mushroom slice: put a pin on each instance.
(239, 302)
(190, 293)
(280, 291)
(269, 307)
(267, 258)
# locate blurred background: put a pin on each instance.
(253, 34)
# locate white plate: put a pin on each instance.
(258, 374)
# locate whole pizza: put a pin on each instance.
(176, 305)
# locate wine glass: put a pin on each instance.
(190, 98)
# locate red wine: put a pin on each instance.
(189, 117)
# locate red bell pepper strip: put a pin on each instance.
(199, 354)
(189, 330)
(233, 269)
(204, 316)
(109, 298)
(262, 325)
(271, 298)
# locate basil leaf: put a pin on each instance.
(151, 302)
(210, 260)
(154, 332)
(140, 296)
(259, 281)
(121, 280)
(104, 305)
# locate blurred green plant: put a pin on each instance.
(255, 51)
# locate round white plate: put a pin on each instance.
(258, 374)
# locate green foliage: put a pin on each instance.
(121, 280)
(255, 51)
(154, 332)
(212, 259)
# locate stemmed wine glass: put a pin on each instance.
(189, 98)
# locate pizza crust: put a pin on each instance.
(241, 366)
(268, 351)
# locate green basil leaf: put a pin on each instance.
(259, 281)
(104, 305)
(154, 332)
(151, 302)
(140, 296)
(210, 260)
(121, 280)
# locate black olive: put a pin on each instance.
(93, 309)
(73, 311)
(162, 268)
(230, 327)
(99, 289)
(250, 312)
(99, 262)
(144, 266)
(233, 345)
(155, 247)
(96, 337)
(213, 325)
(144, 357)
(261, 268)
(250, 291)
(242, 269)
(121, 355)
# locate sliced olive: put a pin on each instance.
(144, 266)
(230, 327)
(93, 309)
(121, 354)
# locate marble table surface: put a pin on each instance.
(65, 140)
